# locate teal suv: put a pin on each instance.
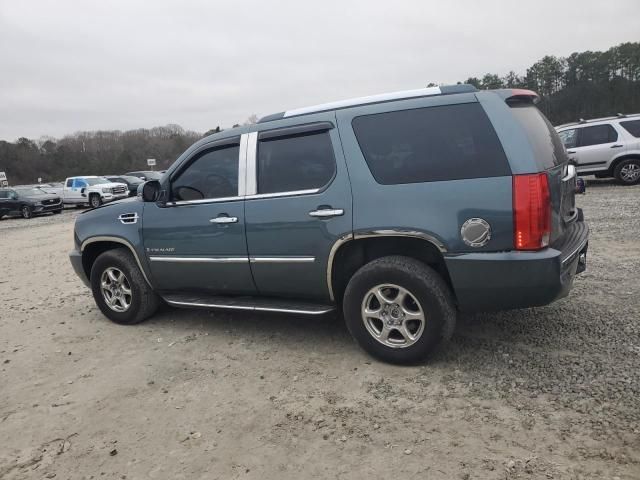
(397, 210)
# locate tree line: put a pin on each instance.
(582, 85)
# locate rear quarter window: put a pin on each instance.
(547, 147)
(633, 127)
(448, 142)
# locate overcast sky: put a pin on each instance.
(86, 65)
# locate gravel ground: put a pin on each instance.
(541, 393)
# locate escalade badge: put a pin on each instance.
(476, 232)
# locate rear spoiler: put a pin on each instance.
(510, 95)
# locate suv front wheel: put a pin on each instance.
(628, 171)
(398, 309)
(120, 290)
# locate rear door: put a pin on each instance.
(298, 205)
(597, 145)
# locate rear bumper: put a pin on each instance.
(506, 280)
(76, 262)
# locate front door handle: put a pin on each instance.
(616, 146)
(327, 212)
(224, 219)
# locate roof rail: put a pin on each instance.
(384, 97)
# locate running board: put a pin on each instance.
(254, 304)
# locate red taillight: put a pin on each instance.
(531, 211)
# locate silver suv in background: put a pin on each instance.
(605, 147)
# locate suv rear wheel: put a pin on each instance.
(628, 171)
(398, 309)
(120, 290)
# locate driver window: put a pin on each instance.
(213, 174)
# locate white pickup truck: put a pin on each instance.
(92, 190)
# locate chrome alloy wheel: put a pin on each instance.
(115, 289)
(393, 316)
(630, 172)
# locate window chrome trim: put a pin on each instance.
(252, 171)
(172, 259)
(121, 241)
(282, 259)
(242, 165)
(203, 201)
(283, 194)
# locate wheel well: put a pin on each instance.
(615, 163)
(356, 253)
(93, 251)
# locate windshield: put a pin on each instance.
(30, 192)
(96, 181)
(152, 175)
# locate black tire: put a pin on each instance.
(602, 175)
(95, 200)
(621, 171)
(423, 283)
(26, 211)
(143, 300)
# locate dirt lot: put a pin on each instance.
(551, 392)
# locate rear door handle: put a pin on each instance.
(224, 219)
(327, 212)
(616, 146)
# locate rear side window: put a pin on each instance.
(70, 182)
(300, 162)
(597, 135)
(430, 144)
(4, 194)
(633, 127)
(548, 149)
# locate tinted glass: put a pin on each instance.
(214, 174)
(70, 182)
(301, 162)
(4, 194)
(597, 135)
(96, 181)
(547, 147)
(430, 144)
(633, 127)
(569, 138)
(30, 192)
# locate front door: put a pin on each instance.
(299, 207)
(195, 242)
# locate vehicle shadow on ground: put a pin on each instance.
(476, 335)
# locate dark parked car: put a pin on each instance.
(132, 182)
(146, 175)
(398, 210)
(28, 202)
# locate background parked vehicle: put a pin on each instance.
(132, 182)
(92, 190)
(28, 201)
(146, 175)
(605, 147)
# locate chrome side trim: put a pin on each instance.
(91, 240)
(128, 218)
(252, 172)
(403, 233)
(384, 97)
(242, 166)
(199, 259)
(334, 248)
(249, 308)
(283, 194)
(282, 259)
(203, 201)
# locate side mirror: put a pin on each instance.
(150, 191)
